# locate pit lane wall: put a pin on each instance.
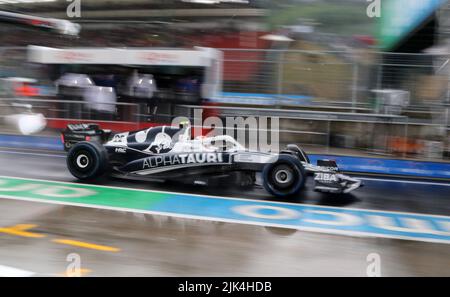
(418, 169)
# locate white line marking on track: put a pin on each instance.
(6, 271)
(360, 234)
(237, 221)
(217, 197)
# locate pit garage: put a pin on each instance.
(155, 78)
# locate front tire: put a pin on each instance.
(87, 160)
(285, 177)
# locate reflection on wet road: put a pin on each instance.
(37, 238)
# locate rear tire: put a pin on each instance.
(285, 177)
(87, 160)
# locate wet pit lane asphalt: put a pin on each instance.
(37, 238)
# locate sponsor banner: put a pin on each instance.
(116, 56)
(333, 220)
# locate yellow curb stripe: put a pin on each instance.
(86, 245)
(20, 230)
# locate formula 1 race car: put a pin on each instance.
(170, 153)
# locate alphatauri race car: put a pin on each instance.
(170, 153)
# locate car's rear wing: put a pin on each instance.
(75, 133)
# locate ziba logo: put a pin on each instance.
(374, 9)
(327, 177)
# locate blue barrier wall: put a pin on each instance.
(31, 142)
(388, 166)
(345, 163)
(262, 99)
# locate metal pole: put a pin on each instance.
(447, 99)
(355, 86)
(406, 138)
(280, 75)
(386, 139)
(380, 74)
(328, 136)
(447, 115)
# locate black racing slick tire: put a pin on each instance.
(87, 160)
(285, 177)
